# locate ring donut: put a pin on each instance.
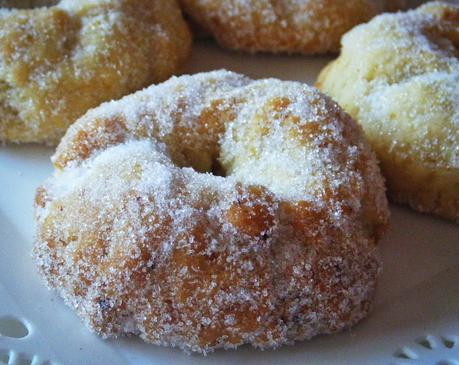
(399, 77)
(58, 61)
(211, 211)
(302, 26)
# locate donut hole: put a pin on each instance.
(203, 156)
(217, 169)
(199, 160)
(213, 167)
(446, 35)
(27, 4)
(445, 39)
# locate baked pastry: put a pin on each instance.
(304, 26)
(58, 61)
(399, 77)
(212, 211)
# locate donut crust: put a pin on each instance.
(398, 76)
(59, 61)
(139, 237)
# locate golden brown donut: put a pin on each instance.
(288, 26)
(58, 61)
(399, 77)
(277, 245)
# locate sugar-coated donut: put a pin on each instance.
(301, 26)
(57, 61)
(278, 244)
(399, 77)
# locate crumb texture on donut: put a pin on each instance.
(60, 58)
(292, 26)
(399, 77)
(211, 211)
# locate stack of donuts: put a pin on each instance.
(212, 210)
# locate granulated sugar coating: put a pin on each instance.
(212, 211)
(60, 58)
(398, 76)
(290, 26)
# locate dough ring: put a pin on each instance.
(399, 77)
(211, 211)
(301, 26)
(58, 61)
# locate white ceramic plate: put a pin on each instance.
(415, 318)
